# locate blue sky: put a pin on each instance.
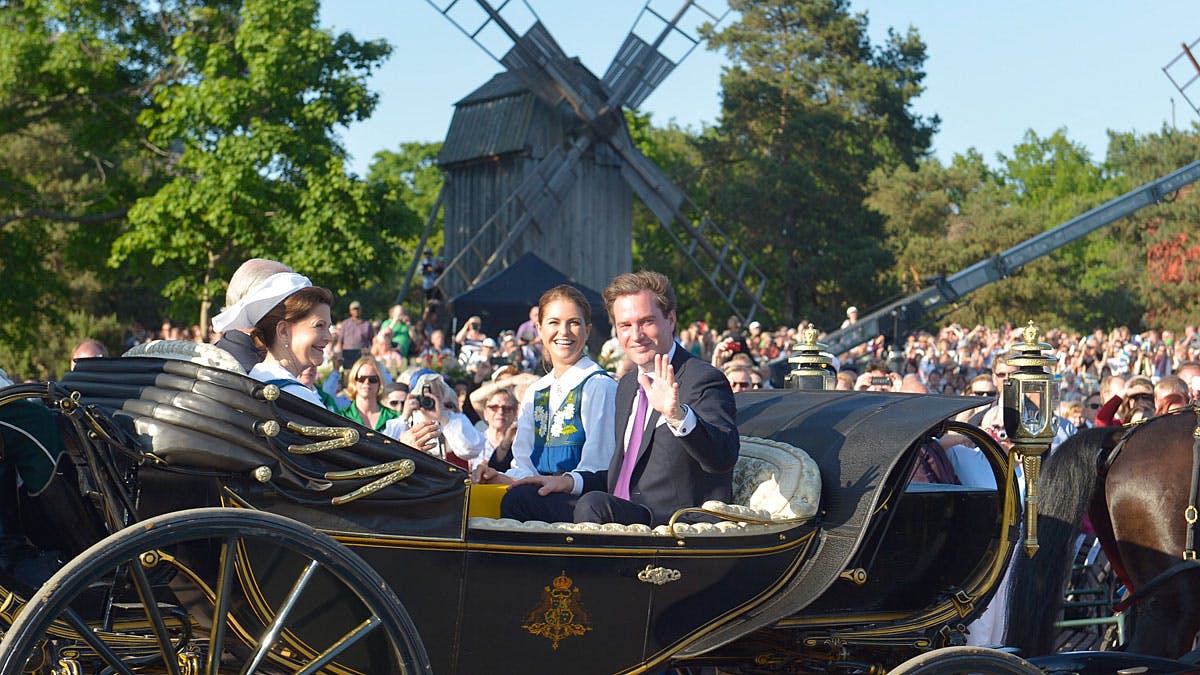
(994, 70)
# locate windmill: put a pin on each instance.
(1184, 71)
(540, 159)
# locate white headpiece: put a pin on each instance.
(261, 299)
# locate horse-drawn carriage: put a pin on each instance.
(212, 524)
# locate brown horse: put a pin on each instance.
(1136, 501)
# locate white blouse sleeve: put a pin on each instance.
(522, 447)
(394, 427)
(462, 438)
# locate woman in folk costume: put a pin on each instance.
(290, 319)
(566, 419)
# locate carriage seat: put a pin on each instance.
(775, 484)
(200, 353)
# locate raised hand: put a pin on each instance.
(421, 435)
(662, 392)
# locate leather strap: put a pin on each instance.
(1189, 514)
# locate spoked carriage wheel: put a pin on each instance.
(215, 591)
(966, 661)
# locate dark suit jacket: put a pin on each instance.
(675, 472)
(241, 345)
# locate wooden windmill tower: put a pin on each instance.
(539, 159)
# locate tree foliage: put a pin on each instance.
(150, 147)
(809, 108)
(248, 127)
(1137, 271)
(407, 183)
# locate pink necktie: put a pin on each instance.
(631, 452)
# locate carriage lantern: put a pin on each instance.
(814, 364)
(1029, 416)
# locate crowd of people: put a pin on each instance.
(1158, 365)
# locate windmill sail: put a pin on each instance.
(535, 59)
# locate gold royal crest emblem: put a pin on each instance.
(560, 613)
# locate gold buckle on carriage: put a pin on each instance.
(1189, 514)
(340, 437)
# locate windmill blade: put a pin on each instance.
(1184, 71)
(532, 55)
(538, 198)
(730, 265)
(641, 64)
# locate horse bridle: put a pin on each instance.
(1189, 515)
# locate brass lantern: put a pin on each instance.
(1029, 417)
(814, 364)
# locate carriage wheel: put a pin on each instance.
(966, 661)
(214, 605)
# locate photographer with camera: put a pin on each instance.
(432, 401)
(877, 377)
(483, 362)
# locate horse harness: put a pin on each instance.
(1190, 516)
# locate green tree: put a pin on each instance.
(407, 183)
(809, 109)
(941, 219)
(248, 127)
(1156, 251)
(678, 152)
(73, 78)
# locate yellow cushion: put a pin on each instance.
(484, 500)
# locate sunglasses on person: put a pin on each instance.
(1093, 406)
(373, 379)
(1142, 397)
(983, 392)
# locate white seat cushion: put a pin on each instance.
(776, 477)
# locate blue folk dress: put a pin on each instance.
(566, 423)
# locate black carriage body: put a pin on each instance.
(885, 570)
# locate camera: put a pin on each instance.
(731, 345)
(881, 381)
(425, 400)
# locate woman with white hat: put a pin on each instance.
(289, 317)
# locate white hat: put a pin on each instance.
(488, 342)
(851, 310)
(261, 299)
(755, 324)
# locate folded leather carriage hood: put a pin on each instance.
(857, 439)
(197, 417)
